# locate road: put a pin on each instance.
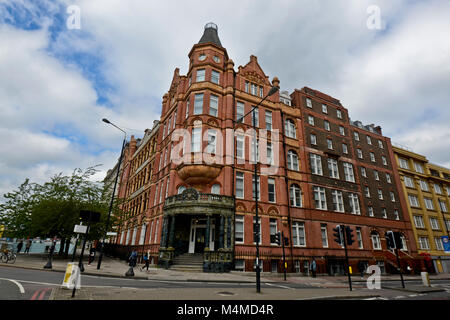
(26, 284)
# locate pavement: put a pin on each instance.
(323, 286)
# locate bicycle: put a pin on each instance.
(8, 256)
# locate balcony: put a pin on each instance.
(191, 201)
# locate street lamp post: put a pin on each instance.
(114, 191)
(258, 227)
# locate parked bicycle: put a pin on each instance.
(8, 256)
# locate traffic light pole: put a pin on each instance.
(399, 268)
(284, 256)
(346, 256)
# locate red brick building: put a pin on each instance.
(189, 189)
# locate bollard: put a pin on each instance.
(425, 279)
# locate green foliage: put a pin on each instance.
(52, 209)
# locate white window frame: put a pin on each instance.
(213, 105)
(308, 102)
(418, 221)
(142, 235)
(200, 75)
(258, 181)
(295, 195)
(338, 201)
(240, 194)
(196, 143)
(428, 203)
(320, 199)
(330, 144)
(424, 243)
(239, 221)
(311, 120)
(292, 160)
(354, 203)
(403, 163)
(324, 235)
(348, 172)
(240, 110)
(298, 234)
(434, 223)
(240, 146)
(388, 178)
(290, 129)
(356, 135)
(215, 75)
(268, 117)
(408, 182)
(370, 211)
(271, 182)
(326, 125)
(333, 168)
(359, 238)
(313, 138)
(344, 148)
(324, 108)
(376, 243)
(316, 164)
(198, 103)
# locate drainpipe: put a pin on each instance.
(287, 190)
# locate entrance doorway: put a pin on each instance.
(199, 245)
(197, 237)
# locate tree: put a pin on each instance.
(52, 209)
(15, 213)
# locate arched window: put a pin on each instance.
(215, 189)
(376, 243)
(181, 189)
(289, 128)
(292, 160)
(295, 195)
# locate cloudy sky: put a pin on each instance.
(387, 61)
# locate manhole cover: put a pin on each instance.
(225, 293)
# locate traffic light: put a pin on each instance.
(338, 234)
(278, 238)
(390, 240)
(398, 240)
(286, 241)
(349, 235)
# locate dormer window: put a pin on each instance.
(216, 59)
(202, 57)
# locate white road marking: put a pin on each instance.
(399, 297)
(277, 285)
(22, 290)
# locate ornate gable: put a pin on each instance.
(253, 72)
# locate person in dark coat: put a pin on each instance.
(28, 246)
(361, 268)
(133, 259)
(91, 255)
(19, 246)
(313, 267)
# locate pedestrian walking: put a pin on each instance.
(361, 268)
(313, 267)
(133, 259)
(91, 255)
(19, 246)
(28, 246)
(146, 262)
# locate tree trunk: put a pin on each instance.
(66, 251)
(61, 246)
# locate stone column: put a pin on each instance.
(207, 236)
(172, 232)
(164, 233)
(229, 233)
(221, 232)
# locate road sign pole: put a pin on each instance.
(346, 256)
(399, 268)
(80, 263)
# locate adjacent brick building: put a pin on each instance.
(331, 170)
